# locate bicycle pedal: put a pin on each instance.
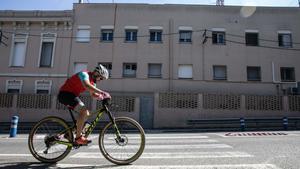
(79, 145)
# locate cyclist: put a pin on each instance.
(76, 84)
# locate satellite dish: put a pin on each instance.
(248, 9)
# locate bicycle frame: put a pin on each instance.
(93, 123)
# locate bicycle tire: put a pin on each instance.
(119, 121)
(35, 129)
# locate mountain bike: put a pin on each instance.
(121, 141)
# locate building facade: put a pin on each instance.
(152, 49)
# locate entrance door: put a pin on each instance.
(146, 111)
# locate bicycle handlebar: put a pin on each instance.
(106, 102)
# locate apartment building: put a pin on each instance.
(37, 54)
(150, 49)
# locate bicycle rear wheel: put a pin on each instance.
(124, 149)
(44, 137)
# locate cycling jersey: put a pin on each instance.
(75, 83)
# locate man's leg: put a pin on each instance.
(84, 113)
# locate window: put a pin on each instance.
(107, 35)
(14, 86)
(47, 50)
(83, 33)
(155, 35)
(220, 72)
(79, 67)
(131, 35)
(251, 38)
(154, 70)
(287, 74)
(253, 73)
(218, 38)
(108, 66)
(18, 51)
(185, 71)
(285, 40)
(43, 86)
(185, 36)
(129, 69)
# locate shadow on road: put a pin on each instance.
(37, 165)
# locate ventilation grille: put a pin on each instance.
(121, 104)
(264, 102)
(294, 103)
(224, 102)
(30, 101)
(178, 100)
(6, 100)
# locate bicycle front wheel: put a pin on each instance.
(122, 143)
(49, 140)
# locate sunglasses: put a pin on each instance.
(98, 75)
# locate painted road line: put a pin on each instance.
(129, 136)
(38, 137)
(254, 134)
(15, 155)
(175, 155)
(223, 166)
(170, 141)
(176, 137)
(173, 147)
(161, 137)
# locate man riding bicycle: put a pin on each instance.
(74, 86)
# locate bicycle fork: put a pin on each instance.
(117, 131)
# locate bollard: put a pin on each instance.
(242, 122)
(285, 123)
(13, 126)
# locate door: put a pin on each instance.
(146, 111)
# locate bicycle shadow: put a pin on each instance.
(19, 165)
(37, 165)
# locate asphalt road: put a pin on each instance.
(236, 150)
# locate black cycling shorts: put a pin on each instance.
(69, 99)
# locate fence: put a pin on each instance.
(32, 107)
(171, 109)
(175, 109)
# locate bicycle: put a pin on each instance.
(52, 139)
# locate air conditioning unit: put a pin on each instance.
(298, 89)
(293, 91)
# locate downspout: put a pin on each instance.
(171, 58)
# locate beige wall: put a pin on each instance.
(170, 53)
(34, 23)
(235, 56)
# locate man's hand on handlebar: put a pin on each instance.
(102, 95)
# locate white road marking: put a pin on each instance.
(225, 166)
(170, 141)
(15, 155)
(133, 136)
(175, 137)
(175, 155)
(173, 147)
